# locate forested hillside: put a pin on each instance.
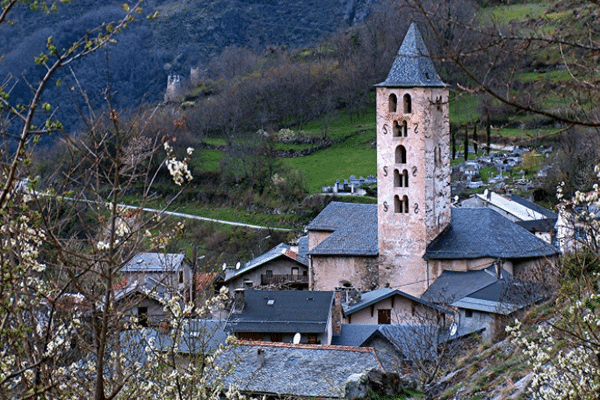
(187, 34)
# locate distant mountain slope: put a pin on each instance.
(187, 34)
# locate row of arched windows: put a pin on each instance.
(400, 129)
(407, 103)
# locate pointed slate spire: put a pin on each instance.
(413, 66)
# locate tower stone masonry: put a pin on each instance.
(413, 165)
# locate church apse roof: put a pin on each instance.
(413, 66)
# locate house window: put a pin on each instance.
(407, 104)
(142, 314)
(276, 337)
(295, 271)
(384, 316)
(393, 103)
(313, 339)
(401, 205)
(400, 155)
(180, 276)
(269, 273)
(468, 313)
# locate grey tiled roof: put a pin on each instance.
(154, 262)
(378, 295)
(413, 65)
(281, 250)
(533, 206)
(303, 249)
(482, 291)
(482, 232)
(197, 336)
(451, 286)
(412, 340)
(291, 311)
(353, 227)
(302, 370)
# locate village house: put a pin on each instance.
(533, 217)
(390, 306)
(282, 316)
(485, 299)
(279, 267)
(171, 270)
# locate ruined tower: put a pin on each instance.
(413, 165)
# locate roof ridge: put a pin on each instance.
(307, 346)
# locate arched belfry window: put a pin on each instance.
(393, 103)
(400, 155)
(400, 179)
(407, 104)
(405, 128)
(397, 131)
(401, 205)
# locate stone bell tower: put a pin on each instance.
(413, 165)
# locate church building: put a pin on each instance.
(413, 234)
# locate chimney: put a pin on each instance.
(260, 358)
(238, 300)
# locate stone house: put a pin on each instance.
(170, 269)
(278, 267)
(279, 315)
(483, 299)
(390, 306)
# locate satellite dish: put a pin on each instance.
(224, 266)
(238, 265)
(453, 329)
(297, 338)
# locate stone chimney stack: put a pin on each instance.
(260, 358)
(238, 300)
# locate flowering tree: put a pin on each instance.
(63, 243)
(564, 352)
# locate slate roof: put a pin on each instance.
(198, 336)
(281, 250)
(353, 227)
(377, 295)
(418, 341)
(538, 225)
(482, 232)
(482, 291)
(155, 262)
(148, 286)
(291, 311)
(413, 66)
(300, 370)
(303, 248)
(535, 207)
(451, 286)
